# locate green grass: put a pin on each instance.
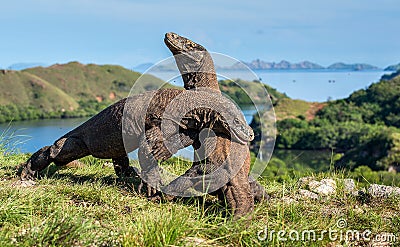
(90, 206)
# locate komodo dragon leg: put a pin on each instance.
(62, 152)
(122, 167)
(150, 152)
(237, 192)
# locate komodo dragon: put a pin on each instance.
(197, 69)
(141, 121)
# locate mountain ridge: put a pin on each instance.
(259, 64)
(394, 67)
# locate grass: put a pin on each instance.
(90, 206)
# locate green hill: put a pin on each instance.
(239, 91)
(65, 90)
(83, 82)
(25, 89)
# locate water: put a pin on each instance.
(319, 86)
(316, 86)
(34, 134)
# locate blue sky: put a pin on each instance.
(129, 32)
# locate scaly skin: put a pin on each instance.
(197, 70)
(103, 135)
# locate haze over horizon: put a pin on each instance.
(130, 33)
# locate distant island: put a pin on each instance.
(305, 65)
(258, 64)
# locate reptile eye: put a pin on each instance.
(236, 121)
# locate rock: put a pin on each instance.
(288, 200)
(195, 241)
(23, 183)
(358, 210)
(349, 185)
(377, 190)
(329, 182)
(325, 187)
(306, 194)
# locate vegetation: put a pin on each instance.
(239, 91)
(12, 112)
(391, 75)
(364, 126)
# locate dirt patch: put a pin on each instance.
(112, 96)
(99, 98)
(314, 108)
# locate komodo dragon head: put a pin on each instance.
(234, 126)
(178, 44)
(194, 62)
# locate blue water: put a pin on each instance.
(316, 86)
(321, 85)
(33, 134)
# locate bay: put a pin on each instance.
(318, 86)
(309, 85)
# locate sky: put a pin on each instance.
(129, 32)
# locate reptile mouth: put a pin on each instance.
(168, 41)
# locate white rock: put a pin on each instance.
(377, 190)
(326, 187)
(349, 185)
(307, 194)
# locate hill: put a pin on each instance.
(391, 76)
(356, 66)
(259, 64)
(83, 82)
(239, 91)
(394, 67)
(26, 89)
(282, 65)
(295, 108)
(65, 90)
